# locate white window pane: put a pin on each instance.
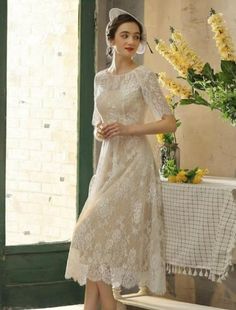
(42, 69)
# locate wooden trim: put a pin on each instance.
(40, 295)
(37, 248)
(160, 303)
(32, 268)
(85, 96)
(3, 90)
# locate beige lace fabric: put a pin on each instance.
(118, 237)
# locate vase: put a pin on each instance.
(167, 152)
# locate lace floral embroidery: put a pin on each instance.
(119, 235)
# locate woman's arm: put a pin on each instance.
(166, 124)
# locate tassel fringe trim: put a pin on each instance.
(201, 272)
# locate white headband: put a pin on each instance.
(115, 12)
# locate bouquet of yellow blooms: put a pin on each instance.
(214, 90)
(176, 175)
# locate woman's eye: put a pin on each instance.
(135, 37)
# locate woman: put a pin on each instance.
(118, 239)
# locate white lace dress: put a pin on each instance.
(118, 237)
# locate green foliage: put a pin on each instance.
(169, 138)
(170, 168)
(190, 174)
(219, 87)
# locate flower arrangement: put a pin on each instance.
(169, 148)
(176, 175)
(169, 138)
(205, 87)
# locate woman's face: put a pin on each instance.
(127, 39)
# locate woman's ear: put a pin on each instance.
(111, 43)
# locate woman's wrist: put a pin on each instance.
(134, 129)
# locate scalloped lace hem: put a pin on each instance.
(116, 277)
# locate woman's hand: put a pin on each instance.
(114, 129)
(98, 133)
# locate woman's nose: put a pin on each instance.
(130, 39)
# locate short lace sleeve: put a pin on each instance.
(96, 119)
(152, 94)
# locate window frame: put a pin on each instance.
(32, 276)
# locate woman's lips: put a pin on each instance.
(130, 49)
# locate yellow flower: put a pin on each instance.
(222, 37)
(160, 138)
(169, 98)
(175, 88)
(181, 176)
(172, 178)
(201, 172)
(173, 57)
(197, 179)
(189, 57)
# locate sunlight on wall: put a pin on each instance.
(205, 140)
(41, 120)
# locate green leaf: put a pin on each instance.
(200, 100)
(198, 86)
(208, 72)
(181, 77)
(186, 101)
(178, 123)
(191, 173)
(168, 138)
(196, 99)
(229, 67)
(170, 168)
(223, 77)
(195, 80)
(175, 105)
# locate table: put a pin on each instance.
(200, 227)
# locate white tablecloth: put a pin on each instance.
(200, 227)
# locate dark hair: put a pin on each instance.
(113, 25)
